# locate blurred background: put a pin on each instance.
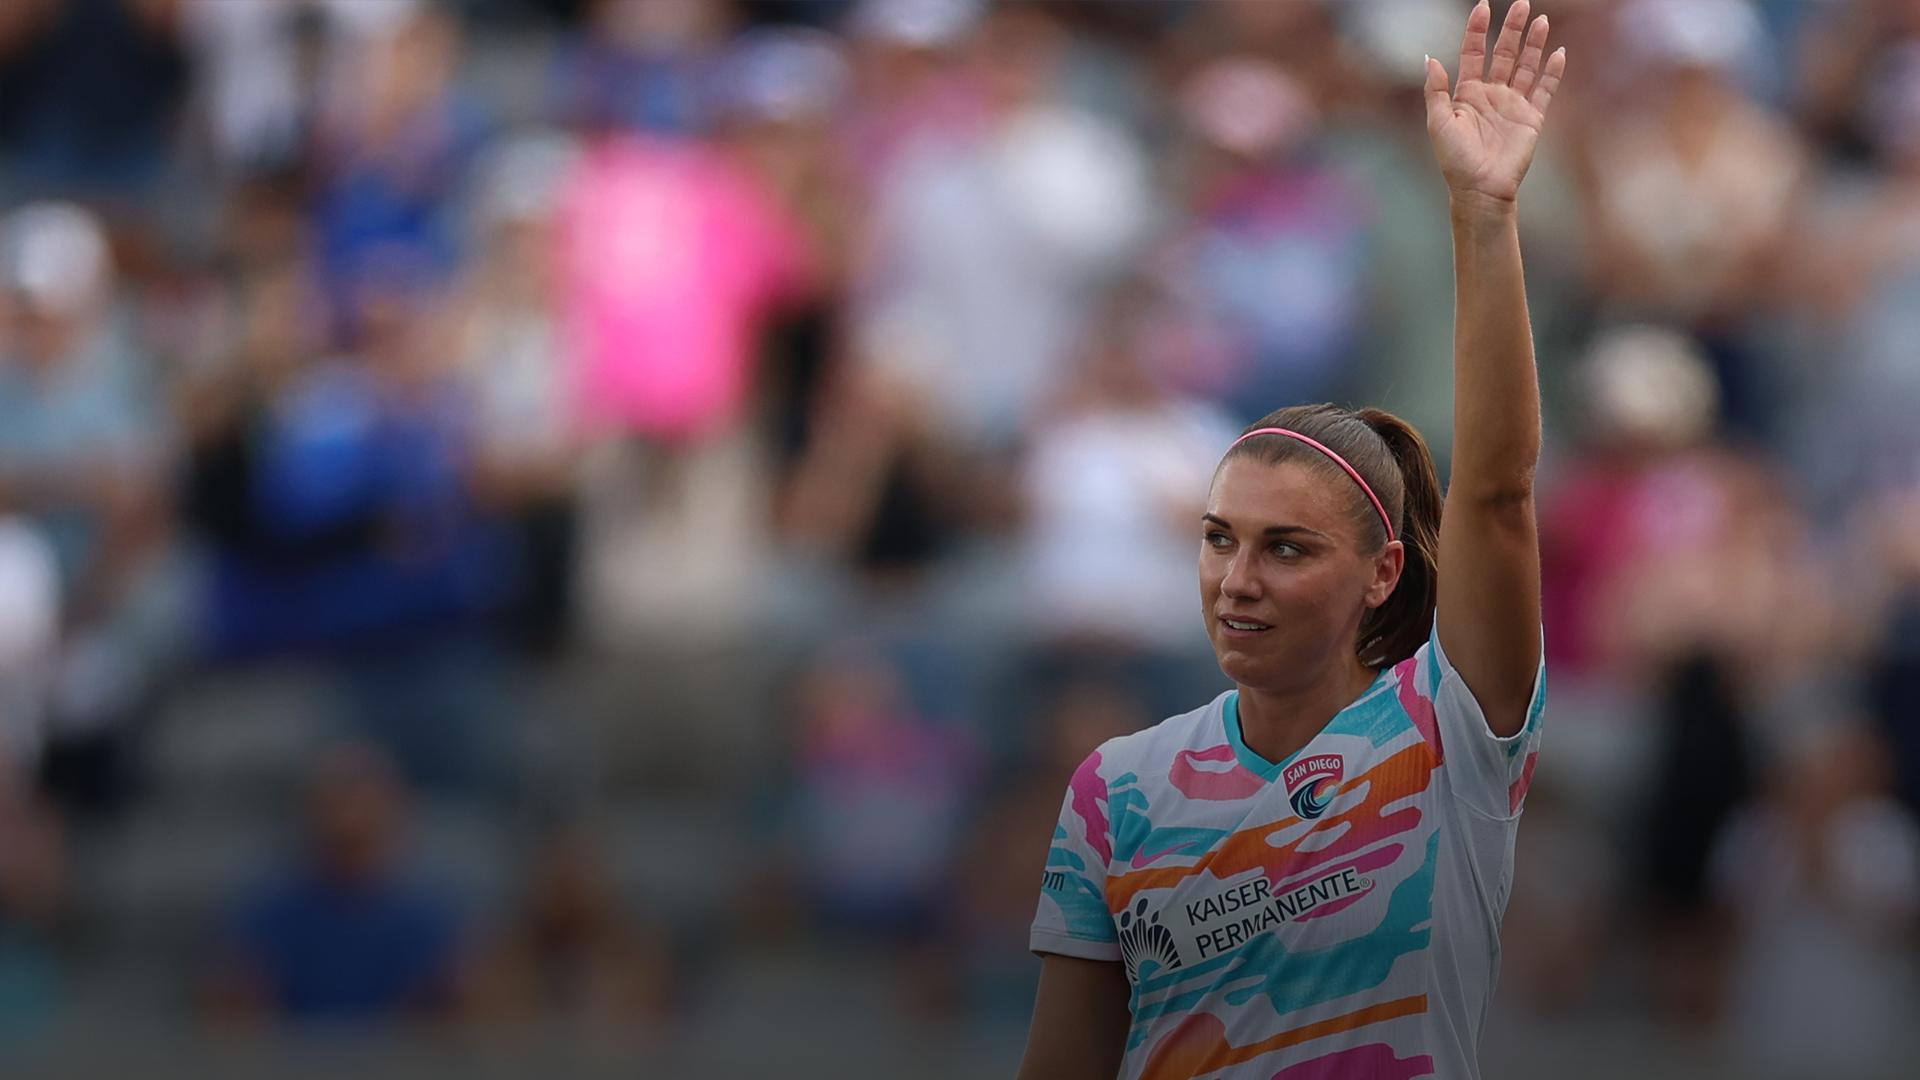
(588, 535)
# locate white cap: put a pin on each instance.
(521, 177)
(1651, 384)
(1397, 35)
(1725, 35)
(56, 254)
(1079, 183)
(785, 74)
(918, 24)
(1246, 105)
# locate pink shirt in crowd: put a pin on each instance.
(671, 257)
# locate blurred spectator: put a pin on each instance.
(570, 953)
(1859, 280)
(780, 109)
(1824, 878)
(878, 800)
(1114, 485)
(1651, 406)
(911, 87)
(82, 455)
(263, 71)
(1268, 264)
(989, 245)
(1660, 542)
(674, 258)
(336, 495)
(394, 146)
(1302, 39)
(1736, 574)
(344, 935)
(1842, 60)
(1702, 774)
(89, 91)
(999, 215)
(637, 67)
(526, 451)
(1691, 186)
(783, 92)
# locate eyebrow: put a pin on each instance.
(1271, 530)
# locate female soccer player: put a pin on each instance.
(1304, 879)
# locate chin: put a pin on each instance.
(1241, 668)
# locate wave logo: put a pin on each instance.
(1143, 939)
(1311, 783)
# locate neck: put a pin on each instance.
(1275, 723)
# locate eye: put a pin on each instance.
(1217, 540)
(1286, 550)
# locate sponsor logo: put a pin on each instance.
(1053, 881)
(1225, 920)
(1143, 939)
(1310, 783)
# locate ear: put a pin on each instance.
(1386, 573)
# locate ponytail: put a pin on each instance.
(1393, 631)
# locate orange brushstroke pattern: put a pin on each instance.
(1407, 772)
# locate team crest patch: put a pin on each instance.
(1311, 781)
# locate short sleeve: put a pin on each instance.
(1490, 773)
(1073, 918)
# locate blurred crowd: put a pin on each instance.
(505, 504)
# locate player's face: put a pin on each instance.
(1284, 582)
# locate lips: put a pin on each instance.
(1236, 626)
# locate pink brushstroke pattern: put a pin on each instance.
(1296, 865)
(1235, 782)
(1372, 860)
(1517, 794)
(1419, 706)
(1376, 1061)
(1089, 791)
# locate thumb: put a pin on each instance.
(1439, 100)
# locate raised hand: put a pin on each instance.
(1484, 131)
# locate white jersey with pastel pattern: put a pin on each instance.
(1332, 915)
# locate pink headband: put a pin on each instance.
(1337, 460)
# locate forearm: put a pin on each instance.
(1496, 405)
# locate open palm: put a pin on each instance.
(1484, 130)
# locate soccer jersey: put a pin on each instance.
(1335, 914)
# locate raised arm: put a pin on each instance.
(1484, 132)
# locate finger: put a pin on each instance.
(1439, 101)
(1529, 69)
(1506, 49)
(1473, 46)
(1549, 79)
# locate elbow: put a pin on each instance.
(1496, 511)
(1500, 494)
(1498, 471)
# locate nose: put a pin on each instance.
(1241, 583)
